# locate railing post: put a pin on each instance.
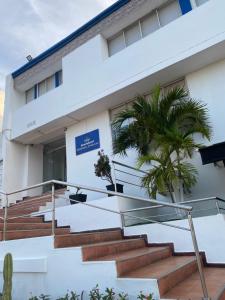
(114, 175)
(199, 261)
(5, 218)
(53, 210)
(122, 220)
(217, 206)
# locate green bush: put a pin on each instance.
(96, 294)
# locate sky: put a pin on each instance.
(32, 26)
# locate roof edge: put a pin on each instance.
(104, 14)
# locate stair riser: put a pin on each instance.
(178, 275)
(24, 220)
(134, 263)
(28, 226)
(94, 252)
(85, 239)
(14, 235)
(29, 205)
(22, 211)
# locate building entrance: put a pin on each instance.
(55, 161)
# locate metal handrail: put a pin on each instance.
(184, 202)
(129, 167)
(115, 170)
(185, 208)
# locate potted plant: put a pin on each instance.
(79, 196)
(103, 170)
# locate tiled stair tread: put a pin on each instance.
(190, 288)
(111, 243)
(161, 268)
(131, 253)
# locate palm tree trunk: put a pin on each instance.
(181, 190)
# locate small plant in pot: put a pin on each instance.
(79, 196)
(103, 170)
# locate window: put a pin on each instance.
(169, 13)
(60, 77)
(50, 83)
(41, 88)
(200, 2)
(116, 44)
(44, 86)
(160, 17)
(132, 34)
(149, 24)
(30, 95)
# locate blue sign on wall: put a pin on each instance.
(87, 142)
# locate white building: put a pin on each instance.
(70, 93)
(77, 85)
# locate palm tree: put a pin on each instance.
(165, 126)
(165, 174)
(147, 122)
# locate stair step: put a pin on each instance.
(131, 260)
(95, 251)
(190, 288)
(23, 234)
(73, 240)
(24, 220)
(168, 272)
(26, 226)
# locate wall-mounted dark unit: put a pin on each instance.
(213, 153)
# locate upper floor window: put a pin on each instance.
(150, 23)
(200, 2)
(44, 86)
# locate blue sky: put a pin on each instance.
(32, 26)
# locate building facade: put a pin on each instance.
(61, 100)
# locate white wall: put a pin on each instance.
(83, 218)
(207, 85)
(209, 233)
(80, 169)
(41, 269)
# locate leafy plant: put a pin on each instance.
(163, 126)
(78, 191)
(142, 296)
(66, 297)
(74, 296)
(110, 294)
(103, 168)
(95, 294)
(44, 297)
(164, 176)
(122, 296)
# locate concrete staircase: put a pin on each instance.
(28, 226)
(176, 274)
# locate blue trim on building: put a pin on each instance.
(185, 6)
(71, 37)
